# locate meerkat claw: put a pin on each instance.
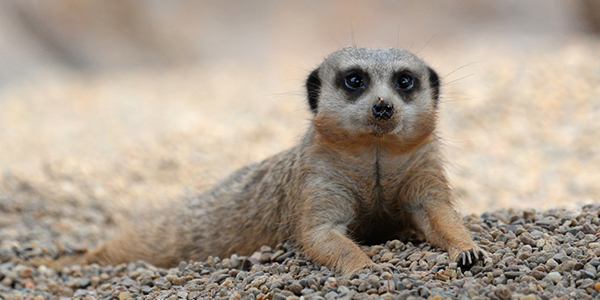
(469, 258)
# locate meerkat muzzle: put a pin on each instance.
(383, 110)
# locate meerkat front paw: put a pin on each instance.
(346, 271)
(469, 258)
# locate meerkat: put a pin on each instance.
(368, 170)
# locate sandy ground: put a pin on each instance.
(521, 125)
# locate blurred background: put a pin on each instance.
(109, 103)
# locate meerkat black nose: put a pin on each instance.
(383, 110)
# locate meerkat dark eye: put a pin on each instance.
(406, 82)
(354, 81)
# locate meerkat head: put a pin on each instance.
(383, 93)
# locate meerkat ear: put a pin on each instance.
(434, 82)
(313, 88)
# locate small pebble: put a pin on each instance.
(124, 295)
(387, 257)
(295, 288)
(502, 292)
(555, 276)
(180, 281)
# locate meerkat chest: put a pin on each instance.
(377, 190)
(378, 216)
(380, 180)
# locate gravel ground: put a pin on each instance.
(79, 150)
(532, 255)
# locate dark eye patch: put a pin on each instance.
(406, 82)
(354, 82)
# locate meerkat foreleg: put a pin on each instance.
(329, 245)
(442, 226)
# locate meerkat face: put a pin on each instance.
(379, 92)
